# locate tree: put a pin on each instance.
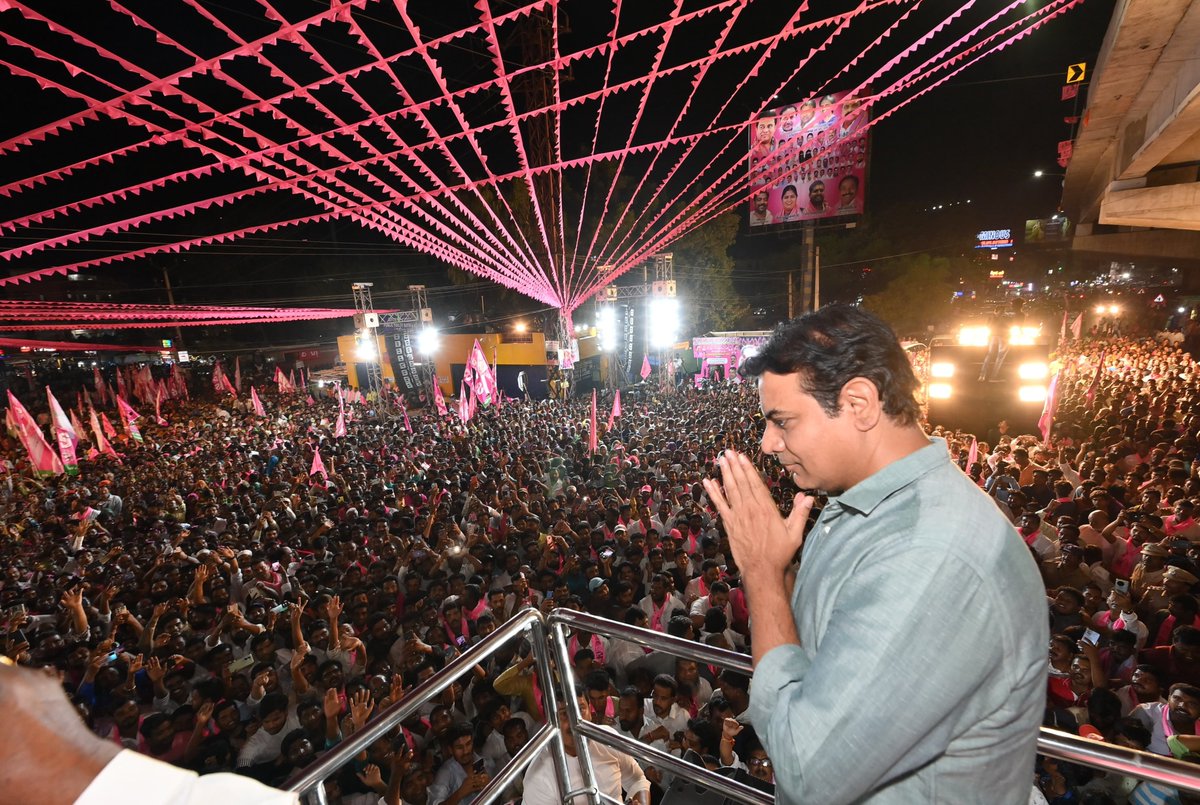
(918, 295)
(704, 273)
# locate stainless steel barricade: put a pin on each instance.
(556, 678)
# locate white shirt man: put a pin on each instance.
(615, 772)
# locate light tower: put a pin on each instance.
(366, 326)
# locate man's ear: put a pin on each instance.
(860, 398)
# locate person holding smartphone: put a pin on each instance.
(464, 774)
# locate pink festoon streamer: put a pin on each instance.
(486, 29)
(720, 202)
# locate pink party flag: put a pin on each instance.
(64, 434)
(482, 381)
(339, 429)
(102, 444)
(438, 399)
(1077, 327)
(45, 461)
(99, 384)
(593, 437)
(109, 430)
(257, 403)
(158, 407)
(616, 409)
(645, 367)
(1048, 410)
(129, 417)
(318, 465)
(237, 373)
(404, 410)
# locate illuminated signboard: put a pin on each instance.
(809, 161)
(994, 239)
(995, 275)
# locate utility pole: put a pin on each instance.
(790, 296)
(808, 269)
(171, 302)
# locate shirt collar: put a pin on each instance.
(864, 496)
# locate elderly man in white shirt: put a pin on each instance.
(618, 775)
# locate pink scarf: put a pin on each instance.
(656, 618)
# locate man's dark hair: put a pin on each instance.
(272, 703)
(830, 347)
(667, 681)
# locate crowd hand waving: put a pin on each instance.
(332, 704)
(372, 778)
(763, 542)
(360, 709)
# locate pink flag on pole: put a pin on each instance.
(1048, 410)
(317, 465)
(292, 379)
(237, 373)
(1062, 333)
(45, 461)
(404, 410)
(77, 425)
(64, 434)
(102, 444)
(593, 437)
(109, 430)
(1095, 385)
(158, 407)
(482, 381)
(129, 417)
(645, 367)
(339, 428)
(311, 401)
(1077, 327)
(98, 383)
(616, 409)
(121, 390)
(228, 386)
(438, 399)
(257, 403)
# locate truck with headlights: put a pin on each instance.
(977, 377)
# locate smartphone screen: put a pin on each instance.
(1092, 637)
(1121, 586)
(479, 766)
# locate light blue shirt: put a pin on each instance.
(921, 674)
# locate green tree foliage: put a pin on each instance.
(918, 294)
(704, 272)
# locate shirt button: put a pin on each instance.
(826, 529)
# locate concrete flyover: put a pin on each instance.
(1133, 183)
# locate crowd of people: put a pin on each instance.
(210, 600)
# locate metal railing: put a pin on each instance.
(309, 782)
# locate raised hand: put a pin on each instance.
(371, 777)
(360, 709)
(332, 705)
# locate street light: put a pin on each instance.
(519, 327)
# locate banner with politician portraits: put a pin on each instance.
(809, 161)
